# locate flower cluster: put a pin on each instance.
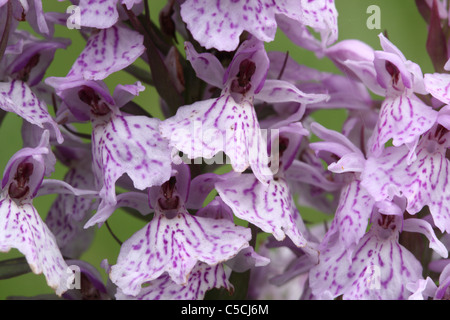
(220, 180)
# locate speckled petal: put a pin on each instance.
(99, 14)
(271, 207)
(219, 24)
(17, 97)
(132, 145)
(201, 279)
(22, 228)
(106, 52)
(403, 119)
(175, 246)
(320, 15)
(352, 215)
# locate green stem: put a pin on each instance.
(140, 74)
(112, 233)
(158, 69)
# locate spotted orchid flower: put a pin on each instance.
(379, 268)
(174, 242)
(403, 117)
(349, 247)
(22, 227)
(121, 143)
(359, 199)
(219, 24)
(423, 182)
(195, 193)
(229, 123)
(139, 151)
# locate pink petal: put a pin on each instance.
(106, 52)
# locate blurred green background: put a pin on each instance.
(400, 18)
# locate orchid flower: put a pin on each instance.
(229, 123)
(22, 227)
(174, 241)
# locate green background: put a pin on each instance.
(400, 18)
